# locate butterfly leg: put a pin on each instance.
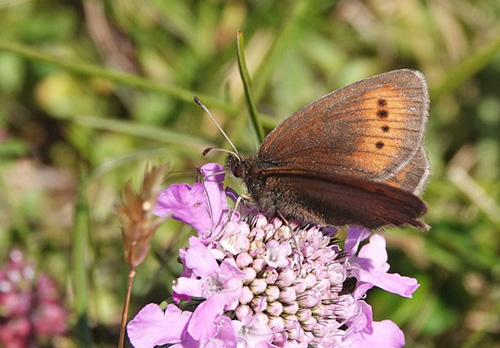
(295, 242)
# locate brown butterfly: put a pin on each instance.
(354, 156)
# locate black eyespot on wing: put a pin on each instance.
(379, 145)
(382, 113)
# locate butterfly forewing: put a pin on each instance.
(370, 129)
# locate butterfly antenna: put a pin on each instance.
(210, 149)
(200, 103)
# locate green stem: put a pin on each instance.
(247, 85)
(80, 250)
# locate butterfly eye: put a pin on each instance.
(239, 170)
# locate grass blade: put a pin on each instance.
(247, 85)
(144, 131)
(115, 76)
(80, 252)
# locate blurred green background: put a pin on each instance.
(91, 91)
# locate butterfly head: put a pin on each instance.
(237, 166)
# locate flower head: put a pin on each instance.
(253, 287)
(30, 307)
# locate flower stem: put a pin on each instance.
(131, 275)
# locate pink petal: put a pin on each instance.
(365, 321)
(229, 269)
(355, 235)
(216, 197)
(202, 325)
(188, 287)
(153, 327)
(213, 171)
(372, 260)
(376, 252)
(186, 204)
(201, 260)
(392, 282)
(254, 332)
(226, 332)
(385, 334)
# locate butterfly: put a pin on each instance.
(354, 156)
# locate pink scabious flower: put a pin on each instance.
(30, 308)
(255, 282)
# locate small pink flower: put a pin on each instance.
(30, 304)
(277, 254)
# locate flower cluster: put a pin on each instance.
(30, 307)
(259, 283)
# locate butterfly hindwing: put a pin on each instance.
(337, 200)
